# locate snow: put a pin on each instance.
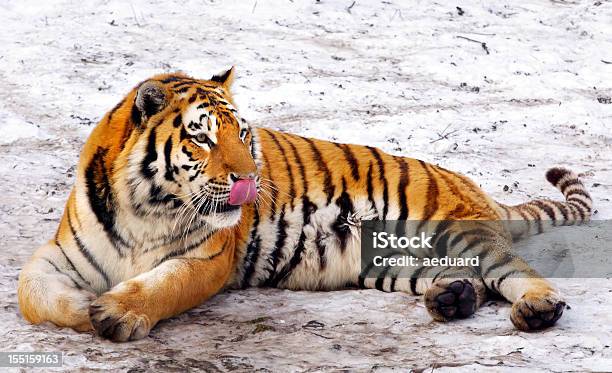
(396, 75)
(13, 128)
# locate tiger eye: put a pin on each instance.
(201, 137)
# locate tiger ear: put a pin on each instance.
(226, 79)
(151, 98)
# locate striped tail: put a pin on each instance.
(536, 216)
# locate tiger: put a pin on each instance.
(177, 198)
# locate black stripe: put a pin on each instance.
(381, 178)
(286, 162)
(70, 263)
(370, 187)
(85, 252)
(440, 272)
(184, 135)
(253, 146)
(480, 233)
(504, 261)
(483, 254)
(56, 267)
(577, 208)
(182, 90)
(414, 278)
(101, 198)
(361, 281)
(178, 120)
(380, 280)
(469, 247)
(300, 164)
(443, 227)
(307, 209)
(321, 251)
(169, 175)
(252, 252)
(580, 192)
(580, 202)
(158, 243)
(493, 287)
(507, 210)
(458, 238)
(503, 277)
(342, 226)
(136, 116)
(150, 156)
(281, 237)
(76, 285)
(350, 158)
(295, 260)
(441, 245)
(328, 186)
(128, 128)
(393, 280)
(547, 209)
(158, 197)
(567, 183)
(182, 85)
(401, 188)
(184, 250)
(536, 217)
(562, 209)
(366, 270)
(413, 285)
(431, 200)
(524, 217)
(114, 109)
(195, 176)
(211, 257)
(175, 78)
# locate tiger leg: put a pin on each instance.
(449, 292)
(130, 309)
(536, 304)
(51, 289)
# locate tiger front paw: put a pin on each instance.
(537, 310)
(450, 299)
(119, 316)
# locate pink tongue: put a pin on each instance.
(243, 191)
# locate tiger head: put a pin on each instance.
(194, 153)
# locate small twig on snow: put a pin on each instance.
(254, 5)
(398, 12)
(443, 135)
(351, 7)
(607, 62)
(319, 335)
(482, 43)
(135, 17)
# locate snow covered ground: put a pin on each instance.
(412, 78)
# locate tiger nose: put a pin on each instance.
(234, 176)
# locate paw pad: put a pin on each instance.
(459, 301)
(528, 317)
